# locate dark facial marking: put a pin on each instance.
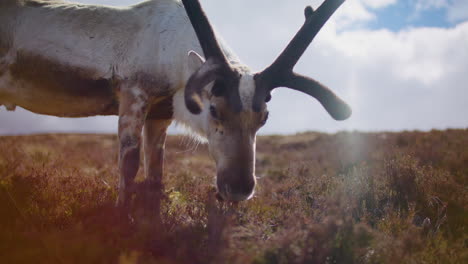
(261, 94)
(229, 88)
(213, 112)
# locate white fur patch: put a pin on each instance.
(247, 91)
(137, 93)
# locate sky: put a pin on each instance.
(400, 64)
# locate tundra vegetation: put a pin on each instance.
(321, 198)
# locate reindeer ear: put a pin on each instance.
(204, 73)
(195, 60)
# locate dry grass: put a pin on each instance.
(343, 198)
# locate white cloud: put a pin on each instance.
(378, 3)
(409, 79)
(356, 13)
(352, 13)
(421, 54)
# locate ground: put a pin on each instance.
(321, 198)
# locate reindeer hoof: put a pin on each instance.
(219, 197)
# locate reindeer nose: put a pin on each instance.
(234, 188)
(230, 195)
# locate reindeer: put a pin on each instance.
(150, 64)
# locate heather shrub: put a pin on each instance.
(344, 198)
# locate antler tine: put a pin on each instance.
(298, 45)
(204, 31)
(280, 73)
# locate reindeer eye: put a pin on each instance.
(213, 112)
(265, 118)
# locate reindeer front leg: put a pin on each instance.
(132, 111)
(154, 143)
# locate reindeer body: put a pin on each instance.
(71, 60)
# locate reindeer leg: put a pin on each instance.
(132, 111)
(154, 134)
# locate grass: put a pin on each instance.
(342, 198)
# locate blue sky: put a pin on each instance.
(396, 15)
(401, 64)
(403, 14)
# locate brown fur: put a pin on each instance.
(37, 3)
(3, 66)
(148, 83)
(59, 78)
(5, 45)
(33, 3)
(5, 36)
(8, 3)
(154, 133)
(63, 80)
(162, 110)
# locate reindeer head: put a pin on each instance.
(236, 104)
